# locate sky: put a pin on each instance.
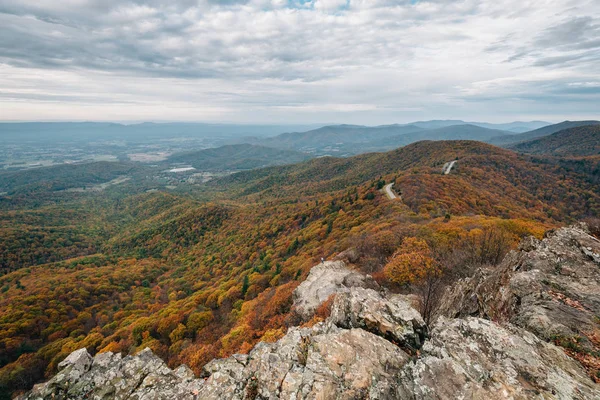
(299, 61)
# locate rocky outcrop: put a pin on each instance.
(465, 358)
(325, 279)
(390, 317)
(375, 345)
(550, 287)
(319, 362)
(474, 358)
(111, 376)
(75, 365)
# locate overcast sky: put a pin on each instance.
(350, 61)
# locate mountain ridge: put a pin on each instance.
(453, 132)
(349, 140)
(579, 141)
(537, 133)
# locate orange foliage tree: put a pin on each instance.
(411, 263)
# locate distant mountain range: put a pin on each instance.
(344, 140)
(516, 126)
(299, 136)
(252, 146)
(578, 141)
(89, 131)
(453, 132)
(339, 139)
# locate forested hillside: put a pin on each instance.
(580, 141)
(508, 140)
(486, 180)
(195, 279)
(63, 177)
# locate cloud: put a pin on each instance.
(330, 4)
(358, 61)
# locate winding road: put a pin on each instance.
(390, 193)
(388, 190)
(448, 167)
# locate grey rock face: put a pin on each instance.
(324, 280)
(320, 362)
(76, 364)
(110, 376)
(474, 358)
(390, 317)
(549, 287)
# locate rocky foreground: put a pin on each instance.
(496, 341)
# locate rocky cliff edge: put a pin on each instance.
(497, 341)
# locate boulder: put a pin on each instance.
(324, 280)
(76, 364)
(390, 317)
(322, 362)
(110, 376)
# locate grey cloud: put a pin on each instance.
(555, 93)
(576, 59)
(386, 54)
(573, 32)
(103, 45)
(576, 39)
(58, 97)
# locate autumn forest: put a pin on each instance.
(210, 270)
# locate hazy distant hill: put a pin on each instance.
(86, 131)
(237, 157)
(516, 126)
(544, 131)
(437, 123)
(454, 132)
(356, 139)
(345, 138)
(579, 141)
